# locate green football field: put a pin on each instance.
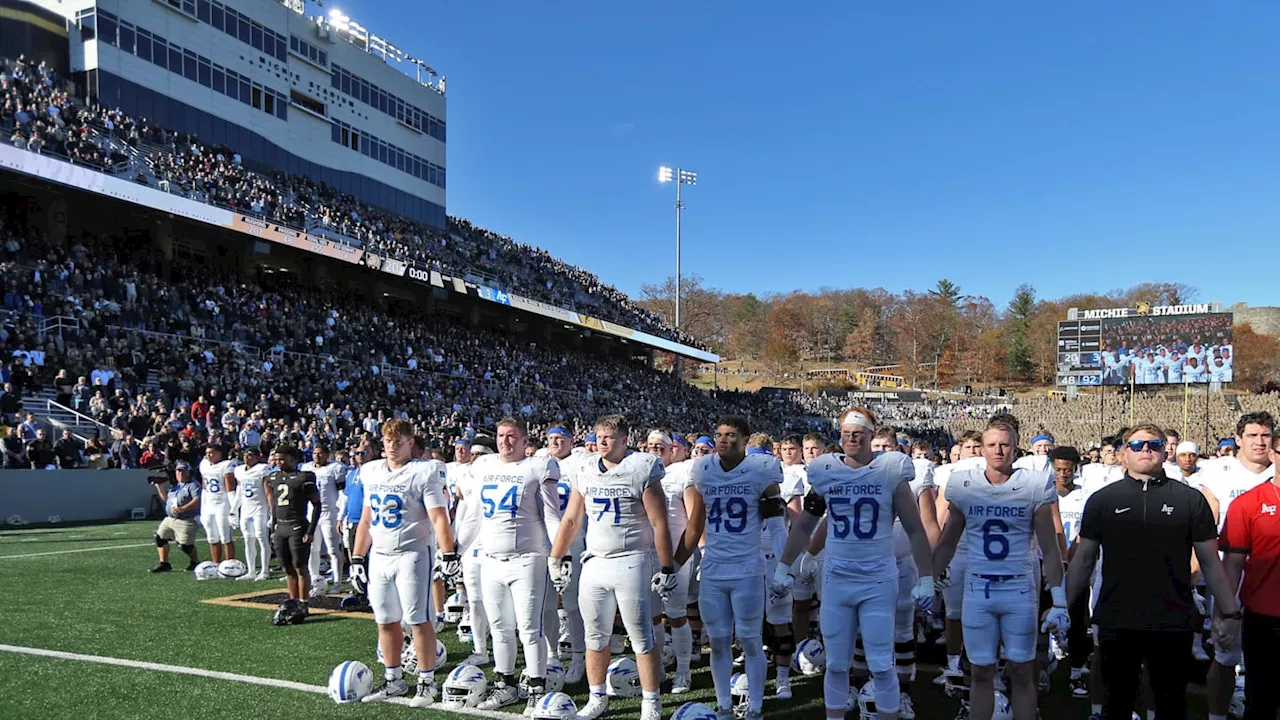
(138, 645)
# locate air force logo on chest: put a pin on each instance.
(1166, 509)
(1268, 510)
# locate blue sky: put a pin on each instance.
(1077, 146)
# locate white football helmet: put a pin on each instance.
(453, 608)
(1003, 711)
(409, 657)
(232, 569)
(206, 570)
(325, 566)
(555, 706)
(738, 688)
(623, 678)
(465, 687)
(810, 657)
(694, 711)
(320, 587)
(464, 630)
(555, 676)
(349, 682)
(442, 653)
(668, 652)
(867, 703)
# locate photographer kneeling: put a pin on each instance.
(181, 508)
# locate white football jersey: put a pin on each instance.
(617, 523)
(795, 481)
(921, 481)
(1071, 508)
(215, 490)
(676, 480)
(1095, 476)
(466, 517)
(398, 500)
(860, 513)
(452, 471)
(516, 501)
(942, 475)
(327, 479)
(999, 519)
(1037, 463)
(732, 499)
(249, 483)
(1229, 479)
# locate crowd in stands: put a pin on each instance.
(39, 116)
(168, 355)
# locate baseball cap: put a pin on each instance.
(1186, 446)
(182, 465)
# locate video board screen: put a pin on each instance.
(1147, 350)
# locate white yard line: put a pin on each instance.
(82, 550)
(214, 674)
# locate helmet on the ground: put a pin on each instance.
(325, 566)
(694, 711)
(555, 676)
(232, 569)
(811, 657)
(464, 687)
(349, 682)
(206, 570)
(867, 703)
(1003, 710)
(464, 629)
(555, 706)
(623, 678)
(739, 689)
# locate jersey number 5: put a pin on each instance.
(510, 501)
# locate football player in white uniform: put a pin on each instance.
(1071, 499)
(518, 497)
(560, 447)
(1038, 460)
(255, 515)
(331, 478)
(219, 480)
(735, 496)
(784, 635)
(466, 527)
(904, 633)
(1003, 511)
(860, 494)
(953, 594)
(623, 493)
(1222, 482)
(808, 569)
(405, 518)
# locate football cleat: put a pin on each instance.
(161, 567)
(424, 695)
(477, 659)
(531, 704)
(576, 671)
(683, 683)
(782, 690)
(906, 710)
(595, 707)
(1079, 686)
(501, 696)
(387, 690)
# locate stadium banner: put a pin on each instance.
(1146, 345)
(84, 178)
(874, 396)
(282, 235)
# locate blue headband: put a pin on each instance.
(680, 440)
(462, 441)
(1038, 438)
(704, 440)
(1226, 443)
(591, 437)
(559, 431)
(758, 451)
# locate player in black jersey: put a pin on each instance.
(292, 492)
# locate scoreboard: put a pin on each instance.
(1080, 352)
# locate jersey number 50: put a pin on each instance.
(842, 523)
(386, 510)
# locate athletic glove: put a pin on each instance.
(664, 582)
(923, 593)
(561, 570)
(783, 580)
(235, 521)
(1056, 619)
(806, 569)
(450, 568)
(943, 581)
(437, 572)
(359, 575)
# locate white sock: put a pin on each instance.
(953, 662)
(250, 554)
(426, 676)
(394, 673)
(682, 641)
(1076, 672)
(784, 673)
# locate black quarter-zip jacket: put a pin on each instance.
(1146, 529)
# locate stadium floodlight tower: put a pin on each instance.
(680, 177)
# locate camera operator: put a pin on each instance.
(181, 508)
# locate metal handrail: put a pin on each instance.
(51, 405)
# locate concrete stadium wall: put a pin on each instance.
(1263, 320)
(74, 495)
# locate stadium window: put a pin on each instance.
(144, 43)
(245, 94)
(255, 36)
(282, 108)
(219, 79)
(160, 52)
(190, 63)
(107, 28)
(355, 140)
(219, 17)
(256, 97)
(293, 43)
(243, 29)
(269, 103)
(175, 59)
(189, 7)
(205, 77)
(128, 36)
(337, 134)
(203, 8)
(324, 57)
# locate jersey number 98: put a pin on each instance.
(842, 523)
(386, 510)
(731, 517)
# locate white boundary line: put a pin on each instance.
(82, 550)
(249, 679)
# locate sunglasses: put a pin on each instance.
(1156, 445)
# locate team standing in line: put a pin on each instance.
(603, 541)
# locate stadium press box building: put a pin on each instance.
(318, 96)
